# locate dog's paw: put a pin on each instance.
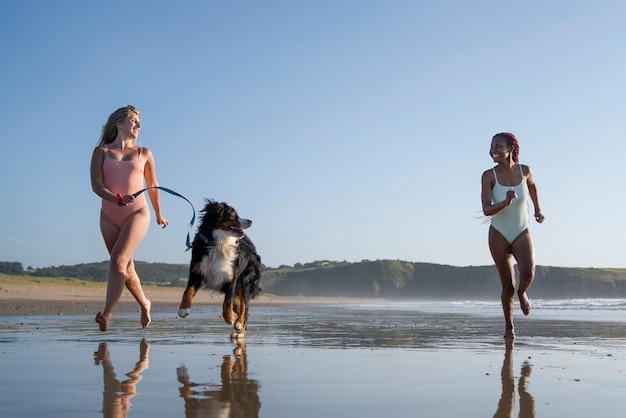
(237, 336)
(183, 313)
(238, 327)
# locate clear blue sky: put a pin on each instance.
(346, 130)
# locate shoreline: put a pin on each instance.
(20, 295)
(317, 356)
(323, 360)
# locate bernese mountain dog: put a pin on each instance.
(225, 260)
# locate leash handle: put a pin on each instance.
(172, 192)
(120, 199)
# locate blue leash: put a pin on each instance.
(172, 192)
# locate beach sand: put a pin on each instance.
(23, 295)
(301, 357)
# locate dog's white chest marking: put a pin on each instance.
(217, 266)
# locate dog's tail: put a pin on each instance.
(253, 269)
(255, 284)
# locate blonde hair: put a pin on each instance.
(109, 131)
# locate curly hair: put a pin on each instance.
(109, 131)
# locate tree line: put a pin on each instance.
(388, 279)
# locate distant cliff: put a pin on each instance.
(389, 279)
(404, 280)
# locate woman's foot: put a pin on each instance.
(524, 303)
(527, 369)
(145, 315)
(509, 333)
(103, 323)
(101, 354)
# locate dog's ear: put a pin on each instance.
(219, 210)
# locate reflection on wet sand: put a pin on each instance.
(117, 395)
(506, 404)
(236, 396)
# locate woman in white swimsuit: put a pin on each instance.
(504, 195)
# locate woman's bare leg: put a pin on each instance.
(122, 244)
(524, 252)
(110, 233)
(133, 284)
(501, 253)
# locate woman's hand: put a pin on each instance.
(124, 200)
(510, 195)
(539, 216)
(162, 221)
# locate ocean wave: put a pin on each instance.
(592, 309)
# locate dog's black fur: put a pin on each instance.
(224, 259)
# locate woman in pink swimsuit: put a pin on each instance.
(505, 192)
(118, 169)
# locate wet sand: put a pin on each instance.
(317, 358)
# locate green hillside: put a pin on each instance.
(389, 279)
(405, 280)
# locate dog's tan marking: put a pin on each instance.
(241, 309)
(185, 303)
(227, 312)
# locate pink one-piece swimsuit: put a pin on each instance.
(123, 177)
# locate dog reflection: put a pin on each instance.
(117, 395)
(507, 399)
(236, 396)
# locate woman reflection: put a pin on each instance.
(117, 395)
(506, 405)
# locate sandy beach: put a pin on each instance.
(305, 357)
(21, 295)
